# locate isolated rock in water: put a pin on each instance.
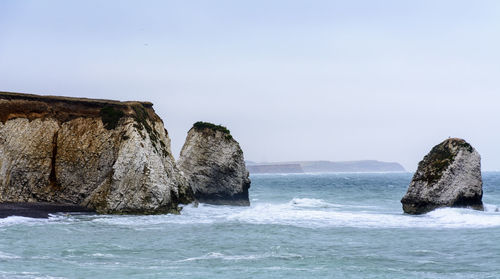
(213, 163)
(449, 176)
(108, 156)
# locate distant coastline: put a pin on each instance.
(324, 167)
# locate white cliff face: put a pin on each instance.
(144, 179)
(113, 158)
(26, 158)
(213, 163)
(449, 176)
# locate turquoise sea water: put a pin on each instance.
(299, 226)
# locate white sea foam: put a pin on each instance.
(102, 255)
(53, 218)
(463, 218)
(220, 256)
(311, 203)
(313, 213)
(300, 212)
(15, 220)
(203, 214)
(289, 214)
(26, 275)
(8, 256)
(491, 208)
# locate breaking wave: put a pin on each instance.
(315, 213)
(299, 212)
(221, 256)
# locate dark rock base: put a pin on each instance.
(38, 209)
(217, 199)
(422, 208)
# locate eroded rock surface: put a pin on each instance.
(108, 156)
(213, 163)
(449, 176)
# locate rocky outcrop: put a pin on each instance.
(108, 156)
(449, 176)
(214, 165)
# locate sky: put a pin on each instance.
(292, 80)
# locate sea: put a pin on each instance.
(344, 225)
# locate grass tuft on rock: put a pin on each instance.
(200, 126)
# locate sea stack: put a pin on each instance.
(449, 176)
(213, 163)
(107, 156)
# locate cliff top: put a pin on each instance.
(69, 100)
(30, 106)
(200, 126)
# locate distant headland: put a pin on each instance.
(324, 166)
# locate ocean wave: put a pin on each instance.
(463, 218)
(491, 208)
(26, 275)
(312, 213)
(8, 256)
(221, 256)
(101, 255)
(16, 220)
(202, 214)
(311, 203)
(299, 212)
(28, 221)
(287, 214)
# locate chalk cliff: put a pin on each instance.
(214, 165)
(449, 176)
(109, 156)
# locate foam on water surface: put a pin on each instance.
(300, 212)
(221, 256)
(289, 214)
(16, 220)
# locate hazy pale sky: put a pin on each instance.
(292, 80)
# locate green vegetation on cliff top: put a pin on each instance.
(200, 126)
(110, 117)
